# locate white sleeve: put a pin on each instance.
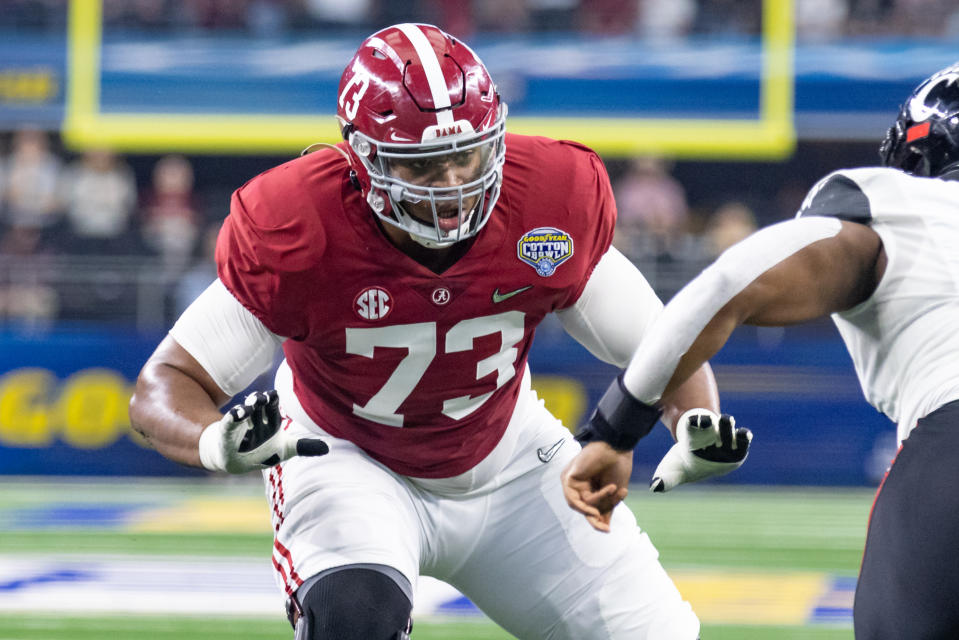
(614, 310)
(228, 341)
(690, 310)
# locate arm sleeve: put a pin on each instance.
(688, 313)
(614, 311)
(228, 341)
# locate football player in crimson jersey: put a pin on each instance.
(403, 272)
(876, 248)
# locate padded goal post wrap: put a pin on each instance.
(619, 419)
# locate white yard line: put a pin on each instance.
(92, 584)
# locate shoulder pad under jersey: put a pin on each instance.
(837, 196)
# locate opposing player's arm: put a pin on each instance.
(611, 316)
(615, 309)
(828, 275)
(784, 274)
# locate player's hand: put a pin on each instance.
(707, 445)
(596, 480)
(249, 436)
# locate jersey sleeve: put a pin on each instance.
(268, 250)
(837, 195)
(593, 212)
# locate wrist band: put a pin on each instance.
(619, 419)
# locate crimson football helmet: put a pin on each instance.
(924, 140)
(425, 129)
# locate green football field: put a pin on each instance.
(757, 564)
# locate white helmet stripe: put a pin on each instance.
(434, 75)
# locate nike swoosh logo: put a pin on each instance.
(545, 455)
(499, 297)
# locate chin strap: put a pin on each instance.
(316, 145)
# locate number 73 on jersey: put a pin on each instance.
(421, 342)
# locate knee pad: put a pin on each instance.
(353, 603)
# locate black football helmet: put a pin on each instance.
(924, 140)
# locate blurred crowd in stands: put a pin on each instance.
(816, 19)
(57, 207)
(54, 206)
(91, 204)
(85, 236)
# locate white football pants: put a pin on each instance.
(501, 533)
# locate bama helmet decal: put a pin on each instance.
(544, 249)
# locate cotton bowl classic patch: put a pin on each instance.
(544, 249)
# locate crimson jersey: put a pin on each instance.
(419, 369)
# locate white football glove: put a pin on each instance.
(249, 436)
(707, 445)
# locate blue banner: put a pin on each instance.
(64, 401)
(32, 80)
(64, 398)
(842, 89)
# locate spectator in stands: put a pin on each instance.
(3, 179)
(730, 223)
(201, 274)
(267, 18)
(653, 212)
(921, 17)
(33, 15)
(336, 14)
(30, 194)
(138, 14)
(213, 14)
(607, 17)
(665, 20)
(728, 17)
(459, 17)
(100, 193)
(866, 17)
(170, 211)
(24, 297)
(821, 20)
(552, 15)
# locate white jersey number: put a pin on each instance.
(420, 341)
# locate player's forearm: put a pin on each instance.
(697, 392)
(699, 319)
(170, 410)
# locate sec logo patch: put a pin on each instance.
(373, 303)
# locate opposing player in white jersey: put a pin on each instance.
(877, 249)
(403, 273)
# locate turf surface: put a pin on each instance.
(765, 530)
